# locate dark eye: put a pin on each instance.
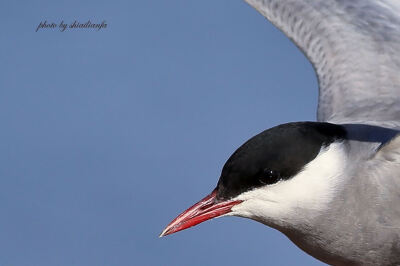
(269, 177)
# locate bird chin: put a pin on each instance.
(264, 210)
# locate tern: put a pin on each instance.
(331, 186)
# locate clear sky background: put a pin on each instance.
(105, 136)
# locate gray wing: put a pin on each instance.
(354, 46)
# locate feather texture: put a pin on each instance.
(354, 47)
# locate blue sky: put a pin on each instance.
(107, 135)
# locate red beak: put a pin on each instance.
(203, 210)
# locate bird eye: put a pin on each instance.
(269, 177)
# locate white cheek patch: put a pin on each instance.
(311, 189)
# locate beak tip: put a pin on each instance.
(167, 231)
(163, 233)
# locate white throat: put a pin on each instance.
(297, 200)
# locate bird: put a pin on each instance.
(332, 186)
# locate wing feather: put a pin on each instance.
(354, 47)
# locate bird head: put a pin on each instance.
(275, 177)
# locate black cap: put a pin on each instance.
(275, 154)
